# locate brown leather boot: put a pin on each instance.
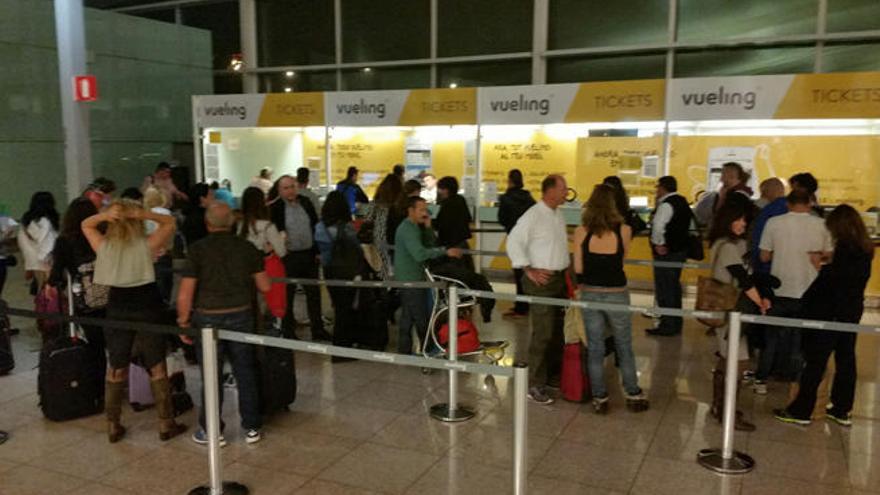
(168, 428)
(113, 392)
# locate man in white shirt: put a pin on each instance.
(429, 191)
(796, 243)
(538, 245)
(670, 227)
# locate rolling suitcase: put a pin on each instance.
(277, 376)
(70, 381)
(373, 334)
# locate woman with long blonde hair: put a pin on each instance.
(124, 262)
(601, 244)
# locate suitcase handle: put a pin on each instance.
(71, 325)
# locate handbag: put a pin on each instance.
(276, 298)
(575, 382)
(695, 249)
(714, 295)
(89, 295)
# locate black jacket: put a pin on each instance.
(678, 228)
(67, 255)
(277, 212)
(512, 205)
(453, 222)
(838, 293)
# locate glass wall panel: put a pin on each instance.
(585, 23)
(744, 61)
(707, 20)
(386, 78)
(298, 81)
(222, 20)
(295, 32)
(158, 15)
(610, 68)
(485, 74)
(228, 84)
(466, 27)
(385, 30)
(853, 15)
(853, 57)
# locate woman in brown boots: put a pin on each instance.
(728, 253)
(124, 262)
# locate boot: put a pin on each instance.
(717, 409)
(113, 392)
(168, 428)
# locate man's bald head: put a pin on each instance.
(772, 189)
(218, 217)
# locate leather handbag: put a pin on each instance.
(714, 295)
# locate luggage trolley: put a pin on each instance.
(493, 350)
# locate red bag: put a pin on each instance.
(468, 336)
(47, 301)
(575, 384)
(276, 298)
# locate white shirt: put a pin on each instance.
(429, 195)
(662, 215)
(539, 239)
(791, 238)
(36, 243)
(267, 238)
(262, 184)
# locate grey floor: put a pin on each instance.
(363, 428)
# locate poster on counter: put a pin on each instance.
(744, 155)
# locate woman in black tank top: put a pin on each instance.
(601, 244)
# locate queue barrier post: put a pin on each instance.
(452, 411)
(520, 424)
(726, 460)
(212, 419)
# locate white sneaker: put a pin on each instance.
(253, 436)
(760, 387)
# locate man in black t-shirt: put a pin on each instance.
(217, 291)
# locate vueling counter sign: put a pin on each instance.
(406, 107)
(262, 110)
(572, 103)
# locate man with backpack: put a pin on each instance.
(349, 188)
(515, 201)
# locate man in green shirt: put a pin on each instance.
(410, 255)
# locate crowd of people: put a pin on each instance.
(781, 255)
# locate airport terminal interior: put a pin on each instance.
(374, 161)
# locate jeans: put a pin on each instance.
(621, 328)
(545, 348)
(782, 345)
(302, 264)
(416, 312)
(244, 365)
(818, 346)
(667, 290)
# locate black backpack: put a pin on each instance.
(347, 259)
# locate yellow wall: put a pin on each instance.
(535, 153)
(846, 166)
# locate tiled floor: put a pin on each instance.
(359, 428)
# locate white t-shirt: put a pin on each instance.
(791, 238)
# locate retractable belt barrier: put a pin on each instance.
(370, 284)
(658, 264)
(452, 412)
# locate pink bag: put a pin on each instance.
(48, 301)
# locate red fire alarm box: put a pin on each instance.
(85, 88)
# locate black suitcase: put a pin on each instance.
(72, 372)
(7, 360)
(70, 381)
(277, 376)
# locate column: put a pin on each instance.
(71, 40)
(247, 13)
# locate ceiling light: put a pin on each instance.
(367, 69)
(453, 85)
(288, 89)
(289, 73)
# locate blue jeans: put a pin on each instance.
(621, 328)
(416, 312)
(244, 365)
(667, 290)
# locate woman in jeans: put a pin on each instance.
(728, 253)
(837, 294)
(124, 262)
(601, 244)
